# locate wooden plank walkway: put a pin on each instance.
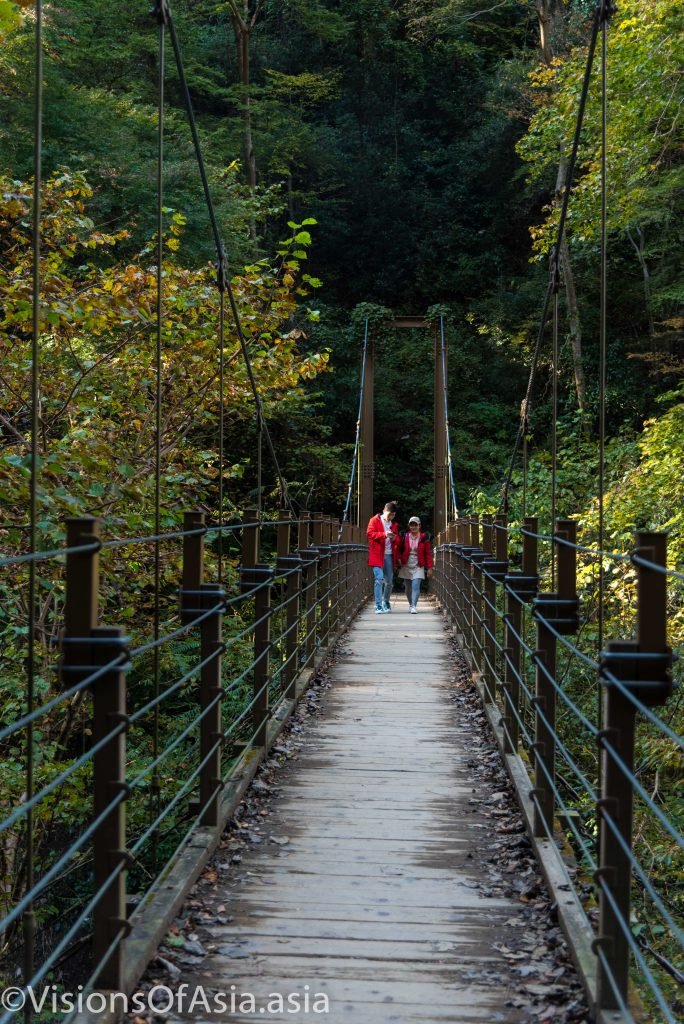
(369, 889)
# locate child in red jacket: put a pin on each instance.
(383, 554)
(416, 561)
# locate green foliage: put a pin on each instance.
(97, 446)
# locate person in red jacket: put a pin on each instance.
(416, 561)
(383, 554)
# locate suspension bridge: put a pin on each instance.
(369, 890)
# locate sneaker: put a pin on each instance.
(414, 610)
(386, 608)
(379, 609)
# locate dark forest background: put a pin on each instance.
(424, 140)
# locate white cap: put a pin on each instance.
(414, 519)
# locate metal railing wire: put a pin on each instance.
(553, 728)
(130, 742)
(319, 590)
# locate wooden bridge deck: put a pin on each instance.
(369, 890)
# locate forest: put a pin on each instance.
(366, 160)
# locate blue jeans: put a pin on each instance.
(412, 591)
(382, 581)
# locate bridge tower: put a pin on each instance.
(366, 505)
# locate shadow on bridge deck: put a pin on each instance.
(369, 886)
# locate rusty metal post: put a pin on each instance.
(343, 575)
(644, 669)
(320, 610)
(501, 539)
(520, 588)
(566, 563)
(474, 531)
(211, 695)
(459, 566)
(440, 465)
(354, 581)
(284, 529)
(448, 591)
(309, 586)
(472, 582)
(109, 782)
(366, 439)
(330, 581)
(262, 652)
(489, 634)
(250, 548)
(529, 553)
(192, 575)
(493, 572)
(82, 589)
(544, 746)
(501, 556)
(291, 568)
(511, 684)
(196, 598)
(335, 566)
(355, 595)
(556, 613)
(86, 646)
(488, 534)
(444, 591)
(304, 530)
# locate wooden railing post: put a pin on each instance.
(309, 558)
(512, 664)
(493, 572)
(198, 597)
(345, 576)
(519, 587)
(109, 781)
(335, 617)
(250, 548)
(489, 631)
(263, 575)
(460, 567)
(501, 539)
(211, 698)
(555, 613)
(319, 539)
(290, 566)
(86, 646)
(641, 669)
(544, 746)
(488, 534)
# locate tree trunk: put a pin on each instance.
(574, 323)
(242, 29)
(545, 18)
(574, 326)
(639, 250)
(247, 143)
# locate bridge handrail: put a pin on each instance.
(318, 589)
(512, 628)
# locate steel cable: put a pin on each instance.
(560, 230)
(358, 431)
(450, 463)
(29, 920)
(220, 249)
(161, 60)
